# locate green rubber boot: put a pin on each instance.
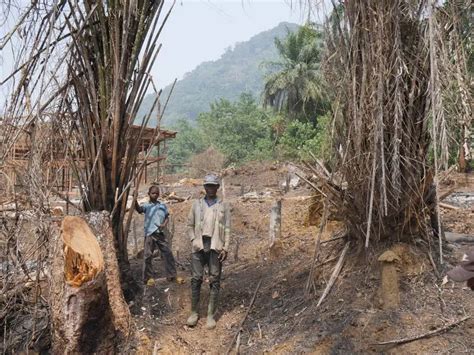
(194, 316)
(211, 310)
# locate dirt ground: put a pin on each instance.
(284, 319)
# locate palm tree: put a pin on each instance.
(296, 86)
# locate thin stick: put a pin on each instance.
(371, 203)
(155, 348)
(229, 349)
(66, 199)
(334, 275)
(326, 261)
(424, 335)
(344, 234)
(322, 226)
(237, 345)
(446, 193)
(433, 263)
(321, 165)
(448, 206)
(135, 242)
(311, 184)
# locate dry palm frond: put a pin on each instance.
(78, 75)
(108, 72)
(385, 67)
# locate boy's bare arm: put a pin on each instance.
(138, 208)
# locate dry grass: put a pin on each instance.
(211, 160)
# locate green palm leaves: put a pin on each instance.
(295, 85)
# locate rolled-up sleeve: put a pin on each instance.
(226, 226)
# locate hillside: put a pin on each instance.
(238, 70)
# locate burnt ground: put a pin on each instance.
(284, 318)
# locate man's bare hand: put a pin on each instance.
(222, 256)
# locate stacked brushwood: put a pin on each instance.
(383, 72)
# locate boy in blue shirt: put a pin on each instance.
(156, 219)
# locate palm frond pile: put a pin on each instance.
(383, 68)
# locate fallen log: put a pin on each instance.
(88, 311)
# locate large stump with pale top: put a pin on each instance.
(88, 311)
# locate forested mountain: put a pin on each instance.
(238, 70)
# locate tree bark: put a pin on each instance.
(88, 311)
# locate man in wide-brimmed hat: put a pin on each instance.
(465, 271)
(209, 232)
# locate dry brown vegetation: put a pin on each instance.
(79, 77)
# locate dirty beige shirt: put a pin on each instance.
(220, 237)
(209, 219)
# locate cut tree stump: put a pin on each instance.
(389, 287)
(88, 311)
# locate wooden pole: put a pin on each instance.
(223, 188)
(146, 167)
(288, 180)
(135, 243)
(157, 178)
(62, 179)
(70, 179)
(275, 223)
(47, 175)
(67, 203)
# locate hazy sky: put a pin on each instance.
(201, 30)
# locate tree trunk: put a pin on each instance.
(88, 311)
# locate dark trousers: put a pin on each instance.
(151, 242)
(198, 261)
